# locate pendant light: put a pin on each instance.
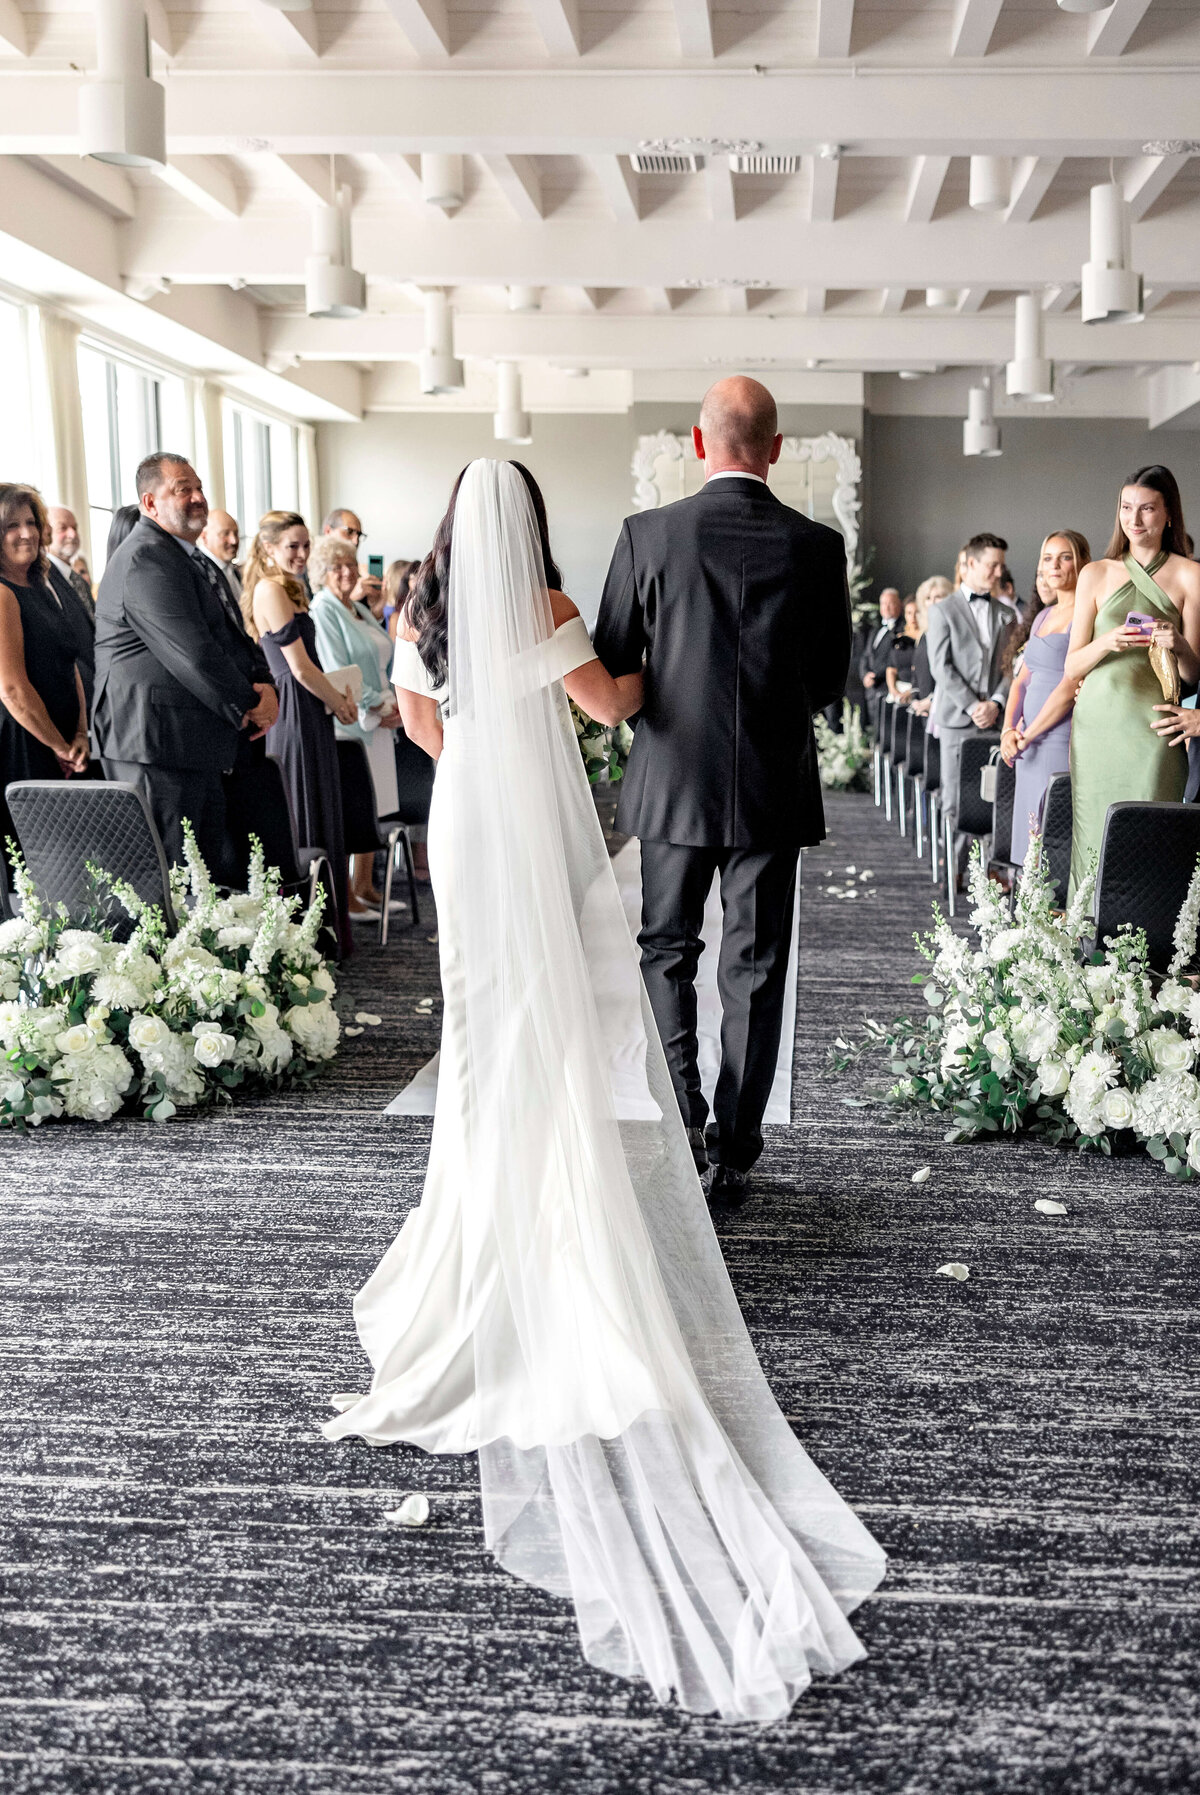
(524, 299)
(1084, 5)
(442, 181)
(990, 184)
(511, 423)
(981, 433)
(441, 371)
(942, 299)
(333, 288)
(122, 112)
(1112, 291)
(1030, 375)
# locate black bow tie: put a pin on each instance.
(984, 597)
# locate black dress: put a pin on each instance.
(303, 742)
(922, 677)
(901, 658)
(50, 667)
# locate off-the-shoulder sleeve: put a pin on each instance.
(569, 647)
(410, 673)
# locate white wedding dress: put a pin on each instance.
(558, 1302)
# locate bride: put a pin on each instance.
(558, 1302)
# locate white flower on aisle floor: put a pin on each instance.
(1022, 1035)
(240, 996)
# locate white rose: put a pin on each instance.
(212, 1046)
(996, 1043)
(316, 1027)
(1193, 1152)
(1054, 1077)
(149, 1034)
(1116, 1108)
(1042, 1038)
(79, 1039)
(76, 952)
(1167, 1049)
(1173, 997)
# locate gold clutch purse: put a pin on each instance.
(1166, 669)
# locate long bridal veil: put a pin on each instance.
(631, 1454)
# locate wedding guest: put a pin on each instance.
(1036, 738)
(1119, 749)
(346, 526)
(872, 664)
(899, 670)
(930, 592)
(302, 740)
(43, 722)
(396, 587)
(369, 592)
(179, 684)
(966, 643)
(123, 520)
(349, 635)
(219, 540)
(63, 553)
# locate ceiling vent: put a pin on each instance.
(765, 165)
(663, 162)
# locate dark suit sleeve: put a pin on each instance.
(163, 607)
(620, 634)
(827, 655)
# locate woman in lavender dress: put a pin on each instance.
(1037, 723)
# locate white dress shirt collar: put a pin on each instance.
(64, 567)
(733, 473)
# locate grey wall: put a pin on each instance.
(396, 470)
(924, 497)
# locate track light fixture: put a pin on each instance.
(122, 111)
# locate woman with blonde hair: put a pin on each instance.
(929, 593)
(1037, 718)
(302, 739)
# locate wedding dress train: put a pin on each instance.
(559, 1302)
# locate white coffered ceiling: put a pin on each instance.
(870, 107)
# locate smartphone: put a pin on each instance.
(375, 566)
(1138, 620)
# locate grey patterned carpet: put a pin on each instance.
(197, 1593)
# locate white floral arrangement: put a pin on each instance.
(842, 759)
(240, 997)
(1024, 1034)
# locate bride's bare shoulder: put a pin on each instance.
(562, 609)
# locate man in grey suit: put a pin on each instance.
(967, 636)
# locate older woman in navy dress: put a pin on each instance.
(1037, 723)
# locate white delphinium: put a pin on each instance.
(1186, 925)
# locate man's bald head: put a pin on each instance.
(739, 426)
(64, 532)
(220, 536)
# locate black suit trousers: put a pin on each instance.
(174, 793)
(757, 899)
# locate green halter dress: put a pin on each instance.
(1115, 754)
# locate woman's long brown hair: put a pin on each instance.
(1161, 480)
(260, 565)
(12, 498)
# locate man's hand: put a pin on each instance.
(264, 713)
(1178, 726)
(868, 680)
(985, 714)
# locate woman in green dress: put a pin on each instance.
(1115, 754)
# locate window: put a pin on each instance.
(17, 447)
(261, 465)
(128, 411)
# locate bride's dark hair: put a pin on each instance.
(425, 611)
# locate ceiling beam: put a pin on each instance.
(558, 25)
(620, 186)
(1109, 32)
(822, 198)
(737, 301)
(308, 177)
(1060, 298)
(295, 33)
(1148, 178)
(519, 181)
(924, 188)
(405, 174)
(1031, 180)
(100, 183)
(891, 301)
(974, 22)
(203, 181)
(693, 18)
(835, 25)
(158, 20)
(14, 33)
(971, 298)
(813, 301)
(426, 25)
(722, 202)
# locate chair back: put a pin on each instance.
(1057, 824)
(360, 822)
(1147, 858)
(414, 780)
(256, 803)
(931, 772)
(1002, 811)
(63, 824)
(914, 753)
(974, 811)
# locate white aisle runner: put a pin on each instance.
(621, 1019)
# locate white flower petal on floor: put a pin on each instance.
(921, 1175)
(412, 1512)
(366, 1016)
(954, 1268)
(351, 1032)
(1048, 1206)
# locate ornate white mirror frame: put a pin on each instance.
(838, 451)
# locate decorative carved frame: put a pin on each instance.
(838, 449)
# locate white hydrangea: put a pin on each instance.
(316, 1027)
(1167, 1104)
(93, 1083)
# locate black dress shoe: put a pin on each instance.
(699, 1150)
(729, 1186)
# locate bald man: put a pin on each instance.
(63, 550)
(220, 540)
(738, 607)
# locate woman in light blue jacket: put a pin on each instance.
(349, 636)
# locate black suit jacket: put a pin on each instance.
(175, 674)
(80, 628)
(739, 606)
(875, 655)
